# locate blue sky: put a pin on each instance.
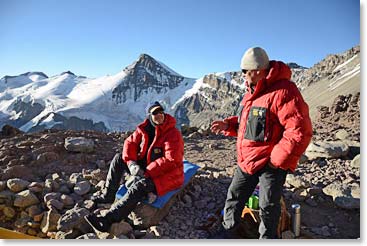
(193, 37)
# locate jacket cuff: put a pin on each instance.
(131, 163)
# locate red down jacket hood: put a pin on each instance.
(274, 124)
(164, 155)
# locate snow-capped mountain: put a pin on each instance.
(33, 101)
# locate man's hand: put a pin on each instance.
(132, 180)
(219, 125)
(135, 169)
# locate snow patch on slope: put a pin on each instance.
(344, 78)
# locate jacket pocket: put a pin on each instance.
(256, 124)
(156, 153)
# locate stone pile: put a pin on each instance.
(43, 175)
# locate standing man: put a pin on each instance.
(273, 129)
(153, 156)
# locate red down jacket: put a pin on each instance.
(164, 156)
(274, 124)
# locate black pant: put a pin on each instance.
(136, 192)
(240, 190)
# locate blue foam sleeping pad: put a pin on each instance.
(189, 171)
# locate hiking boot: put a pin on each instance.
(98, 223)
(102, 199)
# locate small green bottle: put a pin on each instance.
(253, 202)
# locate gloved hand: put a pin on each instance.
(131, 181)
(135, 169)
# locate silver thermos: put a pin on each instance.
(296, 219)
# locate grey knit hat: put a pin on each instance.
(153, 106)
(255, 58)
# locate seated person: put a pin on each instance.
(153, 155)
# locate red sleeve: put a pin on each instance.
(294, 116)
(173, 148)
(232, 126)
(131, 147)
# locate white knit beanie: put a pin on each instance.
(255, 59)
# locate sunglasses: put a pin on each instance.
(159, 111)
(244, 71)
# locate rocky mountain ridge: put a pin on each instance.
(218, 97)
(327, 68)
(143, 75)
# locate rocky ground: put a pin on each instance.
(47, 180)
